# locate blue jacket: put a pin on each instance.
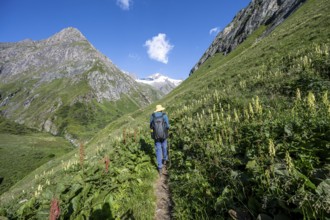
(157, 114)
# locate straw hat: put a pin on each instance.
(159, 108)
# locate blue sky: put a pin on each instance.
(142, 37)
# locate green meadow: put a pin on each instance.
(23, 150)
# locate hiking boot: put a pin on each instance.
(160, 171)
(164, 162)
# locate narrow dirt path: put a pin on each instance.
(164, 202)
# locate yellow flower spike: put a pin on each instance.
(236, 116)
(246, 114)
(298, 95)
(311, 101)
(269, 114)
(271, 148)
(306, 61)
(219, 139)
(288, 161)
(258, 107)
(228, 118)
(325, 99)
(251, 109)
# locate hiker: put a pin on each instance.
(160, 125)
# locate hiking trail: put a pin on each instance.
(164, 202)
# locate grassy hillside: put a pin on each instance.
(114, 172)
(22, 150)
(252, 128)
(250, 136)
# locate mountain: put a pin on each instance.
(161, 82)
(63, 85)
(269, 13)
(249, 139)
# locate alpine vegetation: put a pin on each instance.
(249, 139)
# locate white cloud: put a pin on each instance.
(214, 30)
(124, 4)
(158, 48)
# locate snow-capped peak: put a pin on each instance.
(156, 75)
(161, 82)
(159, 78)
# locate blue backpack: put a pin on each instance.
(159, 127)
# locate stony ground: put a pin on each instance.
(164, 203)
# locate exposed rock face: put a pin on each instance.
(47, 58)
(259, 12)
(67, 54)
(38, 77)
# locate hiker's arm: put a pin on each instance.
(167, 122)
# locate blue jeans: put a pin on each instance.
(161, 152)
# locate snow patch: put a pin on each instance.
(159, 78)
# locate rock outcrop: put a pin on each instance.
(67, 54)
(270, 13)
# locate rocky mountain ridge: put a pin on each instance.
(67, 54)
(41, 80)
(270, 13)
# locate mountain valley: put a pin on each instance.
(249, 136)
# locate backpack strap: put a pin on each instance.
(152, 122)
(153, 114)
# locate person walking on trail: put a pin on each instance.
(160, 126)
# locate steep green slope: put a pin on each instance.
(250, 135)
(252, 128)
(22, 150)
